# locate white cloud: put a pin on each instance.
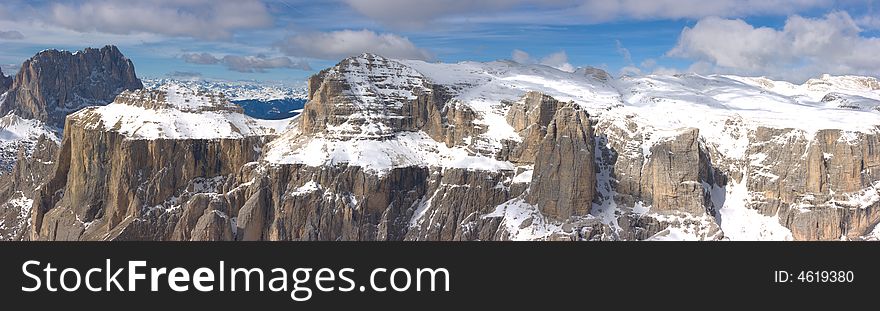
(803, 48)
(624, 52)
(630, 71)
(521, 57)
(204, 19)
(665, 71)
(200, 58)
(869, 21)
(247, 64)
(629, 68)
(606, 10)
(408, 13)
(558, 60)
(262, 63)
(421, 12)
(11, 35)
(184, 75)
(344, 43)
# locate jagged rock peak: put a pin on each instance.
(378, 80)
(54, 83)
(594, 72)
(365, 96)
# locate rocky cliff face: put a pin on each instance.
(19, 186)
(150, 152)
(408, 150)
(54, 83)
(48, 87)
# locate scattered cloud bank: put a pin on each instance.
(558, 60)
(803, 48)
(344, 43)
(418, 13)
(200, 58)
(184, 75)
(203, 19)
(246, 64)
(11, 35)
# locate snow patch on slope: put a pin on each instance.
(523, 221)
(14, 128)
(740, 223)
(379, 156)
(17, 133)
(178, 112)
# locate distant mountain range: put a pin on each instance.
(270, 101)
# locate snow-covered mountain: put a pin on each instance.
(408, 150)
(175, 111)
(632, 118)
(51, 85)
(34, 104)
(236, 90)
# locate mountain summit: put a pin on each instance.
(54, 83)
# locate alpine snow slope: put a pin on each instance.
(408, 150)
(273, 101)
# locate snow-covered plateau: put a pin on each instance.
(175, 111)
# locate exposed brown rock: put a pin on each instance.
(675, 174)
(122, 178)
(810, 182)
(563, 183)
(530, 118)
(54, 83)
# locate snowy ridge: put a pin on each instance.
(375, 90)
(175, 111)
(377, 82)
(662, 105)
(724, 108)
(16, 133)
(14, 128)
(649, 109)
(236, 90)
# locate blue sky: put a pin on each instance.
(288, 40)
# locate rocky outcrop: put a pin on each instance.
(530, 118)
(370, 96)
(18, 187)
(675, 174)
(54, 83)
(563, 183)
(31, 166)
(821, 187)
(363, 97)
